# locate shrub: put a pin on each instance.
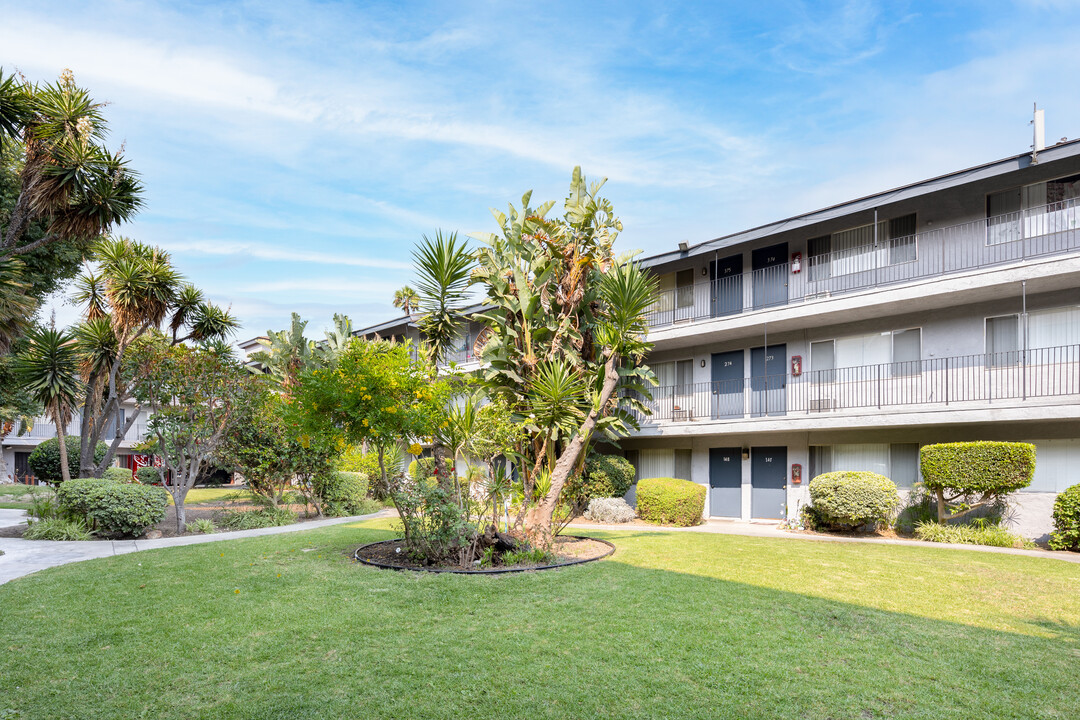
(58, 529)
(117, 474)
(670, 501)
(974, 534)
(112, 507)
(201, 525)
(967, 476)
(148, 475)
(261, 518)
(354, 459)
(342, 493)
(1066, 535)
(605, 476)
(420, 469)
(45, 459)
(609, 510)
(848, 500)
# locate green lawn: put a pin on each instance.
(196, 496)
(679, 625)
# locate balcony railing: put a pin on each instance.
(1037, 232)
(44, 429)
(1011, 376)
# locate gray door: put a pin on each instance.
(725, 482)
(727, 384)
(770, 275)
(768, 477)
(768, 380)
(727, 292)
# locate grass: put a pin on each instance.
(197, 496)
(19, 496)
(686, 625)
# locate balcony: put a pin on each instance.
(44, 429)
(1000, 240)
(1031, 376)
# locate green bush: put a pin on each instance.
(117, 474)
(848, 500)
(605, 476)
(1066, 535)
(973, 474)
(45, 459)
(148, 475)
(421, 469)
(670, 501)
(342, 493)
(112, 507)
(356, 460)
(254, 519)
(58, 529)
(974, 534)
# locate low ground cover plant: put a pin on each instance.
(201, 525)
(609, 510)
(670, 501)
(848, 500)
(1066, 535)
(58, 528)
(979, 532)
(263, 517)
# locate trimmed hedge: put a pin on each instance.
(605, 476)
(977, 468)
(148, 475)
(342, 493)
(44, 461)
(118, 474)
(112, 507)
(670, 501)
(1066, 535)
(847, 500)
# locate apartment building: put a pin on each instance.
(17, 447)
(846, 338)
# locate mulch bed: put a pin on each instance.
(569, 549)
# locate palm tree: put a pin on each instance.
(406, 299)
(49, 370)
(16, 307)
(445, 269)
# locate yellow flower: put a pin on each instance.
(415, 449)
(365, 422)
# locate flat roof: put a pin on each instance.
(1062, 150)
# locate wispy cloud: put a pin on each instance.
(265, 252)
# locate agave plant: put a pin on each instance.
(444, 266)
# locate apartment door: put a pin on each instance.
(727, 292)
(770, 275)
(727, 384)
(725, 482)
(768, 480)
(768, 380)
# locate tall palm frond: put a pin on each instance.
(49, 370)
(16, 105)
(17, 308)
(406, 299)
(445, 268)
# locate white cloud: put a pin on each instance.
(266, 252)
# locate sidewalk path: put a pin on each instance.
(22, 557)
(768, 530)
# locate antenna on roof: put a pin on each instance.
(1038, 140)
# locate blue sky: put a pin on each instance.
(293, 152)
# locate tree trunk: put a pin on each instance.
(65, 471)
(940, 506)
(538, 520)
(180, 514)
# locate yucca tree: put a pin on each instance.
(17, 307)
(48, 369)
(68, 179)
(133, 292)
(566, 334)
(406, 299)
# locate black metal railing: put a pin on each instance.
(1036, 232)
(1017, 375)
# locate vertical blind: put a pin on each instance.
(662, 463)
(899, 461)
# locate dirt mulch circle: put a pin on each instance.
(570, 549)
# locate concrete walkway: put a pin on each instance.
(22, 557)
(769, 530)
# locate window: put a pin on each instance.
(860, 249)
(1054, 327)
(1055, 465)
(1002, 341)
(1032, 210)
(684, 288)
(900, 348)
(899, 462)
(665, 462)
